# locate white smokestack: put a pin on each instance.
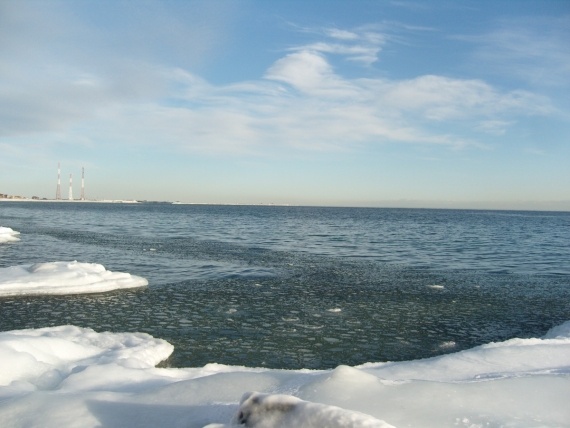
(58, 189)
(82, 183)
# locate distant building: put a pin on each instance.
(6, 196)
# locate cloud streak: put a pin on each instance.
(361, 46)
(533, 50)
(303, 104)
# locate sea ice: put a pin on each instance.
(63, 278)
(75, 377)
(44, 358)
(8, 235)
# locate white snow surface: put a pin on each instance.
(75, 377)
(63, 278)
(8, 235)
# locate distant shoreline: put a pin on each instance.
(545, 209)
(109, 201)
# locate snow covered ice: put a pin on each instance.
(63, 278)
(75, 377)
(8, 235)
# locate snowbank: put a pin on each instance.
(63, 278)
(8, 235)
(73, 377)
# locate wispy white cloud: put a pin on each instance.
(309, 72)
(317, 109)
(300, 101)
(443, 98)
(535, 50)
(494, 127)
(303, 104)
(361, 45)
(57, 70)
(337, 33)
(365, 54)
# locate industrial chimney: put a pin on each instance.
(58, 190)
(82, 183)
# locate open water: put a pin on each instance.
(299, 287)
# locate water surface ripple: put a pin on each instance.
(293, 287)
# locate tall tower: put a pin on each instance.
(82, 183)
(58, 190)
(70, 188)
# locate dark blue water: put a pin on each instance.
(292, 287)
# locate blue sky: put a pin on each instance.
(322, 102)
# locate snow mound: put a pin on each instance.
(64, 278)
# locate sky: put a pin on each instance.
(452, 104)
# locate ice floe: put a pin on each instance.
(7, 234)
(64, 278)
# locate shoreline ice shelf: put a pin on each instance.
(76, 377)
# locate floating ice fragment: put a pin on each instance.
(8, 235)
(64, 278)
(561, 331)
(447, 345)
